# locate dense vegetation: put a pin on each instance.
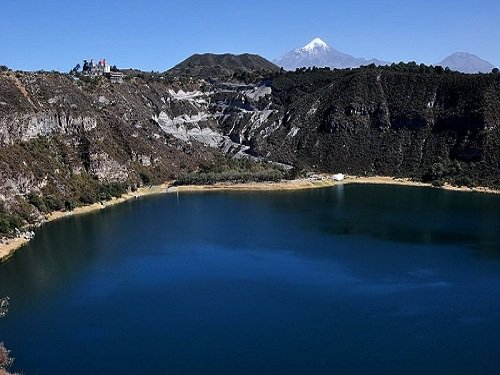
(230, 170)
(83, 190)
(405, 120)
(245, 67)
(9, 221)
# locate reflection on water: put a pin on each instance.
(353, 279)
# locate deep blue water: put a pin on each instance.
(347, 280)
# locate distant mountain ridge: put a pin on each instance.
(466, 63)
(319, 54)
(210, 64)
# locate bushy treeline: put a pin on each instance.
(212, 178)
(9, 221)
(305, 80)
(452, 172)
(402, 66)
(231, 170)
(14, 217)
(82, 190)
(225, 164)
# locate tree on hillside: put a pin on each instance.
(439, 69)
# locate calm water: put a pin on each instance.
(348, 280)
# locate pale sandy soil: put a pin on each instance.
(381, 180)
(6, 250)
(306, 183)
(298, 184)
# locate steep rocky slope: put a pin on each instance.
(424, 125)
(65, 142)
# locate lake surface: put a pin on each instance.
(347, 280)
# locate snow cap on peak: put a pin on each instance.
(315, 44)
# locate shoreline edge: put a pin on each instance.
(319, 181)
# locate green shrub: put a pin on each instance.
(8, 222)
(145, 178)
(211, 178)
(70, 205)
(111, 190)
(37, 201)
(53, 203)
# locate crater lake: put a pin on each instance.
(354, 279)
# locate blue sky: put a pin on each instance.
(155, 34)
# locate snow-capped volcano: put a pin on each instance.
(319, 54)
(316, 45)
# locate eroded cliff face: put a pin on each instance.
(55, 130)
(57, 133)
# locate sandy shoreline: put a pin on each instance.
(382, 180)
(321, 181)
(298, 184)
